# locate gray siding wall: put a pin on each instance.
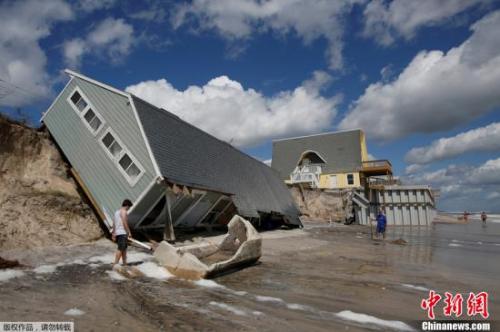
(85, 152)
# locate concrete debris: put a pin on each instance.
(242, 245)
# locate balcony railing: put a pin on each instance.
(377, 167)
(377, 164)
(383, 182)
(306, 174)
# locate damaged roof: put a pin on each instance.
(189, 156)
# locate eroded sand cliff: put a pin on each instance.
(39, 203)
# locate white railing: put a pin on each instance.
(306, 174)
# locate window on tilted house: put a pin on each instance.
(113, 146)
(129, 167)
(88, 114)
(78, 101)
(124, 160)
(92, 119)
(350, 179)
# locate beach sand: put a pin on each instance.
(321, 278)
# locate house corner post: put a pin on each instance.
(168, 233)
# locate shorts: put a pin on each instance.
(122, 242)
(380, 228)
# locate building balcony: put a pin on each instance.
(377, 167)
(306, 174)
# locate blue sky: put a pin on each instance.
(421, 78)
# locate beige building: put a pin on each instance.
(334, 160)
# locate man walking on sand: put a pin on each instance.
(121, 232)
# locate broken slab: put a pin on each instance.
(242, 245)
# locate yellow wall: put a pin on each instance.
(364, 149)
(324, 181)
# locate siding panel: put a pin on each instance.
(84, 151)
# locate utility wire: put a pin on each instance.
(17, 87)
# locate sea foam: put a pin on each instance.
(367, 319)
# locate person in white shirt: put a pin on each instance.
(121, 232)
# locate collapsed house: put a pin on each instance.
(338, 161)
(120, 146)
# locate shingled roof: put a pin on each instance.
(341, 151)
(189, 156)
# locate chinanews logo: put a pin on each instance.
(474, 308)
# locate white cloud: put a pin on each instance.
(488, 173)
(413, 168)
(92, 5)
(464, 187)
(439, 177)
(154, 11)
(480, 139)
(73, 51)
(111, 38)
(387, 73)
(268, 162)
(437, 91)
(23, 24)
(245, 117)
(239, 19)
(155, 14)
(113, 35)
(386, 21)
(493, 195)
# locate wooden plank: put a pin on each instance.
(168, 233)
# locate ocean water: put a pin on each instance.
(491, 217)
(468, 250)
(476, 216)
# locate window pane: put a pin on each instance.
(125, 161)
(89, 115)
(75, 97)
(81, 104)
(95, 123)
(133, 171)
(108, 139)
(350, 179)
(115, 149)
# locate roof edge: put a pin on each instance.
(144, 137)
(320, 134)
(102, 85)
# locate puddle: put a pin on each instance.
(74, 312)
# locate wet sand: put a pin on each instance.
(307, 280)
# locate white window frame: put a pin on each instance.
(116, 160)
(81, 114)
